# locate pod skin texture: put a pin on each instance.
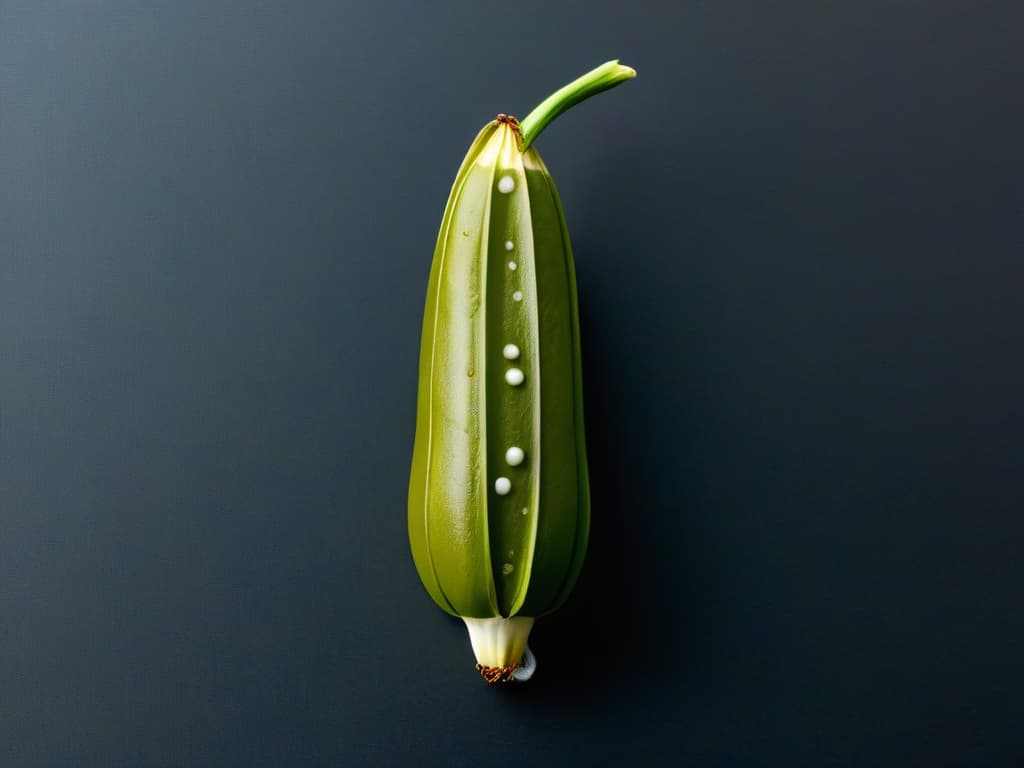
(502, 275)
(499, 504)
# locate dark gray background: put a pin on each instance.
(801, 263)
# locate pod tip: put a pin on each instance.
(497, 674)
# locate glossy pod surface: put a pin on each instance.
(499, 505)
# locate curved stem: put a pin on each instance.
(606, 76)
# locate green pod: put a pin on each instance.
(499, 505)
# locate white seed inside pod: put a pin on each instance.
(510, 352)
(512, 265)
(514, 376)
(517, 296)
(508, 245)
(502, 486)
(506, 184)
(514, 456)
